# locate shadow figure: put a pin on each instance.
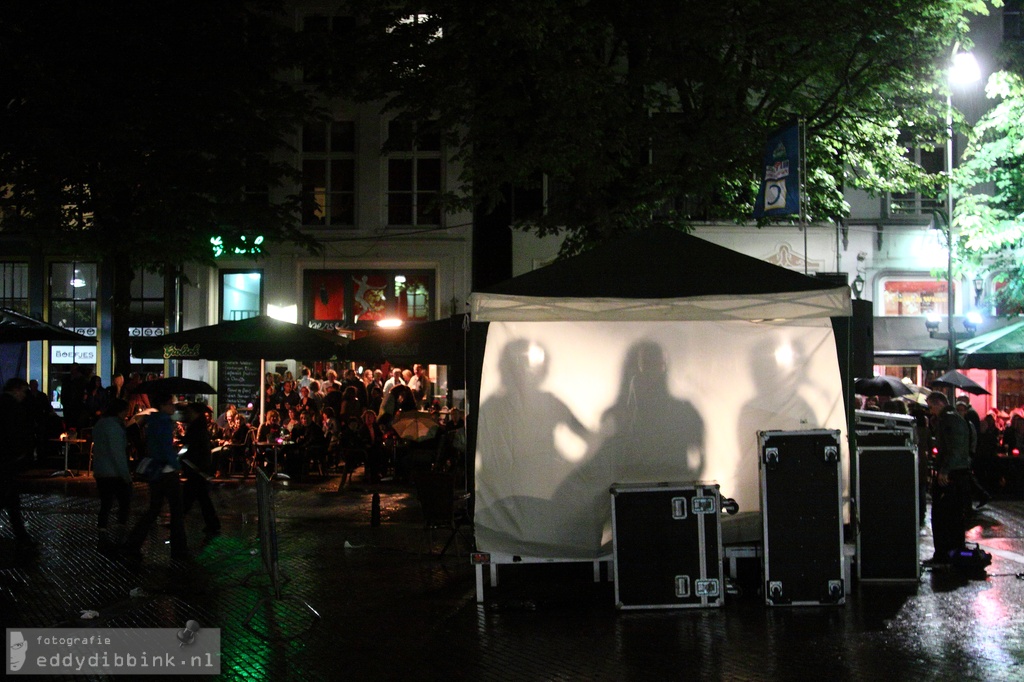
(647, 436)
(520, 462)
(776, 405)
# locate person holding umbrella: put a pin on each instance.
(163, 480)
(951, 482)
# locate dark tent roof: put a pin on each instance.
(660, 273)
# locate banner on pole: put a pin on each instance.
(779, 194)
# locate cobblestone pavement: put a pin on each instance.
(391, 611)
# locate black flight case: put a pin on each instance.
(667, 545)
(801, 505)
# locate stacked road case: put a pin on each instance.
(888, 547)
(667, 540)
(801, 505)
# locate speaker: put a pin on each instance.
(862, 339)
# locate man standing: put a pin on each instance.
(15, 453)
(196, 461)
(951, 479)
(163, 482)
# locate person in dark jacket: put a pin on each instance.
(952, 477)
(15, 453)
(196, 460)
(110, 469)
(163, 480)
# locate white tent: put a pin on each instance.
(670, 381)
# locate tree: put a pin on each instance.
(136, 132)
(989, 186)
(630, 107)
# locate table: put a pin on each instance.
(276, 447)
(67, 451)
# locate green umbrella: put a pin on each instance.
(998, 349)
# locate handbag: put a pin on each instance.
(148, 469)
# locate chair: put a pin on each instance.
(443, 508)
(244, 454)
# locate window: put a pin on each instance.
(72, 305)
(414, 175)
(73, 296)
(147, 306)
(241, 294)
(345, 297)
(913, 297)
(328, 174)
(14, 286)
(325, 34)
(916, 203)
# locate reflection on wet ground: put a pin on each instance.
(392, 611)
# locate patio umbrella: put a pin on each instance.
(415, 426)
(175, 386)
(957, 380)
(918, 394)
(1001, 348)
(17, 327)
(881, 385)
(256, 338)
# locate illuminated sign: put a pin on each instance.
(219, 249)
(182, 351)
(65, 355)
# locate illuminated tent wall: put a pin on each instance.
(655, 358)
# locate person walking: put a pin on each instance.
(951, 478)
(196, 459)
(15, 454)
(110, 468)
(163, 481)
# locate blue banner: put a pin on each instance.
(779, 194)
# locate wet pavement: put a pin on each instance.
(389, 610)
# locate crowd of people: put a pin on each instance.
(964, 460)
(327, 421)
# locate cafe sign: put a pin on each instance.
(182, 351)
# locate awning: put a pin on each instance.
(903, 340)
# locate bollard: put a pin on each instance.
(375, 510)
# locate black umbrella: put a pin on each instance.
(881, 385)
(175, 386)
(16, 327)
(964, 383)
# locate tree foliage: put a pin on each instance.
(581, 91)
(133, 132)
(990, 189)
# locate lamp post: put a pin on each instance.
(963, 70)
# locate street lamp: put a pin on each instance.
(963, 70)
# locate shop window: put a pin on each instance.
(914, 297)
(342, 298)
(241, 294)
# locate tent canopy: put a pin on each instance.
(658, 357)
(999, 349)
(661, 274)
